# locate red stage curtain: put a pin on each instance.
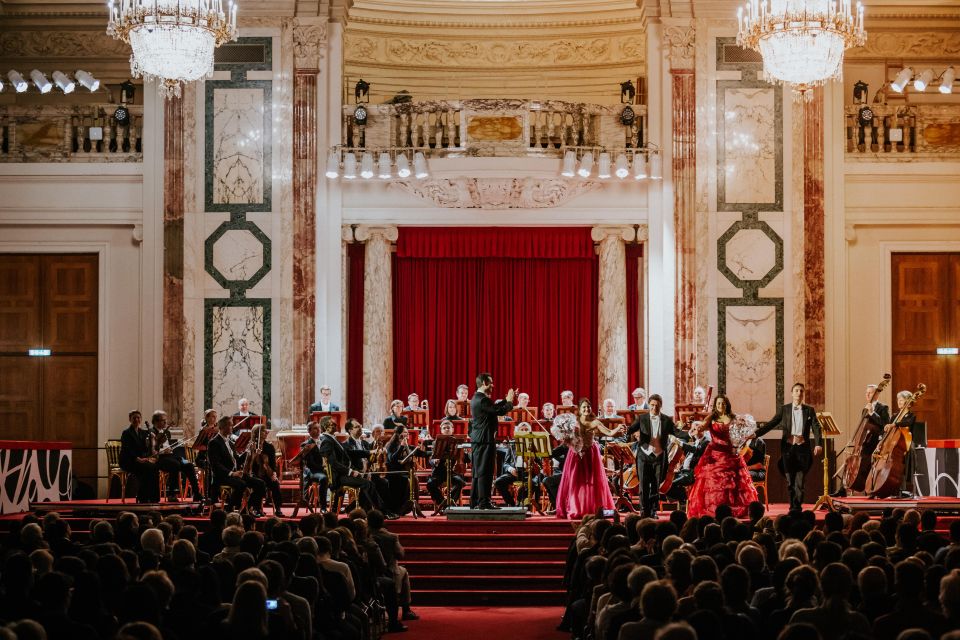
(522, 306)
(634, 319)
(355, 265)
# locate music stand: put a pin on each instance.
(339, 417)
(565, 408)
(828, 431)
(530, 447)
(463, 408)
(446, 450)
(622, 455)
(416, 418)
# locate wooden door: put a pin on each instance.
(50, 301)
(926, 315)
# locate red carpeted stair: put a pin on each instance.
(485, 563)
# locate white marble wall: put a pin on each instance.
(751, 359)
(749, 163)
(238, 149)
(238, 356)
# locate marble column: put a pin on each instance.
(173, 210)
(813, 254)
(612, 314)
(377, 319)
(679, 36)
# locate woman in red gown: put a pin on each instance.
(721, 476)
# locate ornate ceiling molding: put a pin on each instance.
(681, 43)
(907, 44)
(309, 42)
(62, 44)
(497, 193)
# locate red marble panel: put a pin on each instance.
(173, 209)
(813, 250)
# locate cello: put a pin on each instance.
(886, 473)
(856, 467)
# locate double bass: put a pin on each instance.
(856, 467)
(886, 473)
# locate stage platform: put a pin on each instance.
(876, 506)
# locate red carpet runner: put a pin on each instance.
(484, 623)
(470, 564)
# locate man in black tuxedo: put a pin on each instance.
(552, 482)
(225, 473)
(438, 473)
(312, 466)
(325, 403)
(799, 425)
(136, 458)
(342, 474)
(652, 432)
(483, 439)
(358, 451)
(693, 448)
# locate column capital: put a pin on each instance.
(601, 232)
(346, 233)
(309, 42)
(643, 233)
(679, 35)
(364, 232)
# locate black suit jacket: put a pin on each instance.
(642, 426)
(312, 461)
(559, 454)
(133, 445)
(697, 449)
(784, 420)
(483, 425)
(222, 462)
(336, 457)
(357, 452)
(880, 416)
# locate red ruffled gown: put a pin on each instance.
(721, 477)
(583, 487)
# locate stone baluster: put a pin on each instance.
(67, 145)
(535, 129)
(107, 136)
(438, 129)
(404, 129)
(612, 314)
(551, 129)
(451, 127)
(377, 319)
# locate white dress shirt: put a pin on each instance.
(797, 428)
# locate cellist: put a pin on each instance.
(907, 422)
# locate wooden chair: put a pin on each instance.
(336, 501)
(113, 463)
(762, 484)
(185, 488)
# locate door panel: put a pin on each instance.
(20, 401)
(70, 305)
(19, 303)
(70, 408)
(934, 407)
(919, 321)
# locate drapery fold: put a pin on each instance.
(634, 319)
(355, 267)
(496, 242)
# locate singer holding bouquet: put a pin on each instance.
(583, 487)
(721, 475)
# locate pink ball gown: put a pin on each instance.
(583, 487)
(721, 477)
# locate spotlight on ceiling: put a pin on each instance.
(900, 83)
(639, 166)
(946, 80)
(383, 166)
(40, 81)
(366, 165)
(622, 171)
(88, 81)
(586, 165)
(403, 166)
(350, 166)
(569, 164)
(921, 81)
(333, 165)
(63, 82)
(19, 84)
(656, 167)
(603, 166)
(420, 166)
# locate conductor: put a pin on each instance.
(483, 432)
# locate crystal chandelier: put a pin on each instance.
(801, 41)
(172, 40)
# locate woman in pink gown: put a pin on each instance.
(583, 487)
(721, 476)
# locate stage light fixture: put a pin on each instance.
(350, 166)
(63, 82)
(40, 81)
(333, 165)
(586, 165)
(569, 164)
(639, 166)
(383, 166)
(88, 81)
(921, 81)
(622, 170)
(900, 82)
(1, 85)
(420, 166)
(366, 165)
(656, 167)
(403, 166)
(19, 84)
(603, 166)
(946, 80)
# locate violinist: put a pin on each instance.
(438, 474)
(223, 464)
(396, 420)
(400, 458)
(361, 456)
(342, 475)
(259, 461)
(907, 422)
(171, 459)
(371, 439)
(312, 464)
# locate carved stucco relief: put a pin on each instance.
(497, 193)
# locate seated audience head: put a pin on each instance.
(658, 601)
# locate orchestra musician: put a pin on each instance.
(756, 459)
(639, 396)
(325, 403)
(371, 440)
(360, 454)
(463, 393)
(552, 482)
(877, 412)
(396, 419)
(450, 411)
(609, 410)
(523, 400)
(566, 398)
(243, 408)
(907, 422)
(438, 473)
(483, 433)
(699, 395)
(223, 464)
(651, 431)
(413, 402)
(400, 457)
(171, 460)
(799, 426)
(262, 465)
(693, 448)
(342, 475)
(312, 466)
(136, 457)
(548, 412)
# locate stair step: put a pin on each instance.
(484, 567)
(457, 554)
(503, 582)
(486, 540)
(437, 525)
(489, 598)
